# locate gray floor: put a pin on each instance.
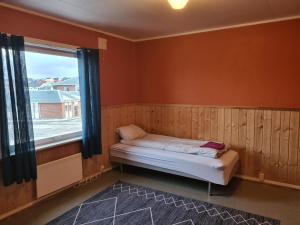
(270, 201)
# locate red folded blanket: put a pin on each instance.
(214, 145)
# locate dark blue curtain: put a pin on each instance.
(88, 62)
(17, 140)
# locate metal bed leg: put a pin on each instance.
(121, 167)
(209, 189)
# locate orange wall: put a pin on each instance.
(118, 63)
(251, 66)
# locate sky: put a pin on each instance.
(40, 65)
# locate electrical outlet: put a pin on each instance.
(261, 177)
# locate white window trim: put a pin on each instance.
(58, 140)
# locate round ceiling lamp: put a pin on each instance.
(178, 4)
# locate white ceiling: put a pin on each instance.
(140, 19)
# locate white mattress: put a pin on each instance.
(174, 144)
(218, 171)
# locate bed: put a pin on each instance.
(213, 170)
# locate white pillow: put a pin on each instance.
(131, 132)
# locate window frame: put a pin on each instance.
(53, 48)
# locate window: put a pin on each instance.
(54, 92)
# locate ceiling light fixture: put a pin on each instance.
(178, 4)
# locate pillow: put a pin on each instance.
(131, 132)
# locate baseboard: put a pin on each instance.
(30, 204)
(271, 182)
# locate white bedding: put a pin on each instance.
(174, 144)
(218, 171)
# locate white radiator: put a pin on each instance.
(58, 174)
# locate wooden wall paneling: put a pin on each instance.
(234, 141)
(107, 133)
(250, 144)
(207, 123)
(93, 165)
(115, 123)
(164, 122)
(186, 122)
(214, 124)
(267, 140)
(179, 129)
(159, 117)
(126, 114)
(242, 128)
(159, 124)
(258, 141)
(293, 147)
(298, 161)
(131, 114)
(15, 195)
(105, 126)
(139, 116)
(167, 118)
(181, 120)
(221, 124)
(61, 151)
(123, 115)
(284, 146)
(227, 127)
(275, 144)
(152, 118)
(201, 127)
(146, 117)
(266, 148)
(195, 122)
(177, 112)
(171, 120)
(156, 119)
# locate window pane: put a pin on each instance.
(54, 93)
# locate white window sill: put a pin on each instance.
(56, 144)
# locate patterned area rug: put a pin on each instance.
(128, 204)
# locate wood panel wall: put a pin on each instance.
(266, 140)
